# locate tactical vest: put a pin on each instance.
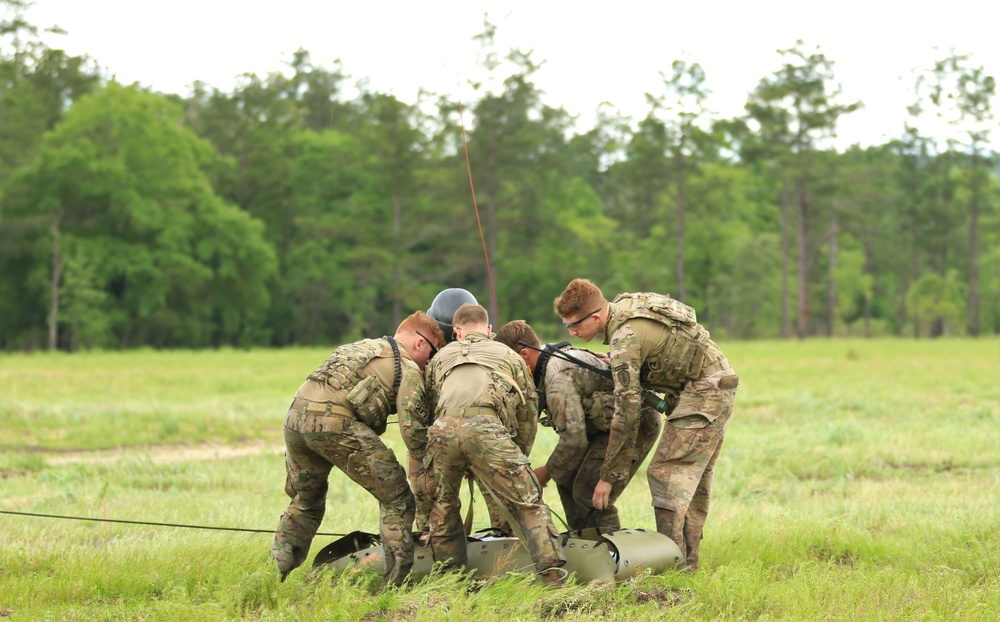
(342, 371)
(594, 404)
(487, 354)
(689, 349)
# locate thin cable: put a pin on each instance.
(139, 522)
(468, 167)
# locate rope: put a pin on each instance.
(482, 238)
(155, 524)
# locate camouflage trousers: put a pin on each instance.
(314, 444)
(424, 487)
(577, 493)
(482, 444)
(681, 470)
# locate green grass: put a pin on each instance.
(860, 480)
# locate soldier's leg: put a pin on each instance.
(501, 466)
(697, 514)
(586, 480)
(675, 470)
(448, 467)
(574, 518)
(363, 457)
(691, 440)
(306, 483)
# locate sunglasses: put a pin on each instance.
(434, 350)
(580, 321)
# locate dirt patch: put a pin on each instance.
(164, 454)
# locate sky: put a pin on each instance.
(592, 52)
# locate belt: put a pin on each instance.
(321, 407)
(467, 411)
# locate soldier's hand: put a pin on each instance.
(602, 495)
(542, 475)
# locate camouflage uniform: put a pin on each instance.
(658, 339)
(485, 411)
(335, 420)
(580, 403)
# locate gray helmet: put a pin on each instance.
(444, 306)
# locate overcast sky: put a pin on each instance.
(611, 51)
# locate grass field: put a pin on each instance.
(860, 480)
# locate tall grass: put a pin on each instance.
(860, 480)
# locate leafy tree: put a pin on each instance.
(118, 197)
(962, 95)
(937, 299)
(683, 101)
(873, 212)
(795, 110)
(37, 84)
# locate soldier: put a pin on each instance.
(485, 417)
(656, 342)
(336, 419)
(580, 405)
(442, 310)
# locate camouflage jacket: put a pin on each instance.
(656, 339)
(500, 380)
(580, 403)
(353, 363)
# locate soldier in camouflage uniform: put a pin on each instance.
(336, 419)
(580, 405)
(442, 310)
(485, 418)
(656, 342)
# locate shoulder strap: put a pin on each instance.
(398, 372)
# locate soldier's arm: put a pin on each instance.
(569, 421)
(415, 416)
(527, 411)
(626, 360)
(414, 413)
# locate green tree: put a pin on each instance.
(118, 198)
(796, 108)
(961, 95)
(873, 213)
(683, 101)
(37, 84)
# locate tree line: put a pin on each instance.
(287, 212)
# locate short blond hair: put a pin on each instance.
(515, 331)
(580, 296)
(423, 324)
(470, 315)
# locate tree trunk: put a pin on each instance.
(58, 262)
(786, 321)
(831, 292)
(802, 312)
(681, 295)
(973, 297)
